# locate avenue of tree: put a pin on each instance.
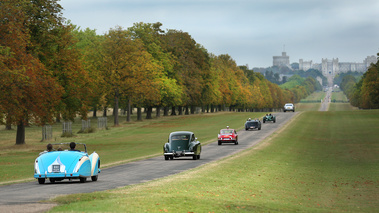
(363, 93)
(52, 70)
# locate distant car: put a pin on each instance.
(289, 107)
(227, 136)
(253, 124)
(182, 144)
(269, 117)
(62, 163)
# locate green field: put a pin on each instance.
(318, 163)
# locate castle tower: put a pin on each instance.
(281, 61)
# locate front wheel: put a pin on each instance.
(94, 178)
(194, 157)
(166, 157)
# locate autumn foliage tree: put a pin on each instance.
(365, 93)
(29, 91)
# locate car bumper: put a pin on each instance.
(179, 154)
(59, 175)
(227, 141)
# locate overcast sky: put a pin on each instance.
(250, 31)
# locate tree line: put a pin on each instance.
(53, 70)
(363, 93)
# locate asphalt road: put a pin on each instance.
(325, 103)
(136, 172)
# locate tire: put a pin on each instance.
(171, 157)
(82, 179)
(166, 157)
(236, 143)
(219, 143)
(41, 180)
(52, 180)
(259, 128)
(264, 121)
(274, 120)
(194, 157)
(94, 178)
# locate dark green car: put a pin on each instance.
(269, 117)
(182, 144)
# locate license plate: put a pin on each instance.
(56, 168)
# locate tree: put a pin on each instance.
(152, 37)
(89, 44)
(192, 64)
(370, 89)
(129, 69)
(29, 91)
(54, 45)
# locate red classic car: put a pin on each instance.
(228, 136)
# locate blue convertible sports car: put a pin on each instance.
(64, 161)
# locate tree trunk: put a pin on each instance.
(94, 112)
(187, 111)
(8, 124)
(149, 110)
(20, 135)
(193, 109)
(173, 112)
(58, 118)
(165, 111)
(105, 112)
(129, 110)
(115, 109)
(139, 114)
(158, 111)
(180, 110)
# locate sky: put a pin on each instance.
(250, 31)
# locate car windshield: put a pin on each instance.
(66, 147)
(253, 122)
(227, 131)
(180, 138)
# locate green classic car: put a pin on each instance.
(269, 117)
(182, 144)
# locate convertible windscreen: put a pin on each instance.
(225, 132)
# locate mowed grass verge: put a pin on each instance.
(128, 142)
(320, 162)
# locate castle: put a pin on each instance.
(329, 68)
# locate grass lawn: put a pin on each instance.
(315, 96)
(321, 162)
(130, 141)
